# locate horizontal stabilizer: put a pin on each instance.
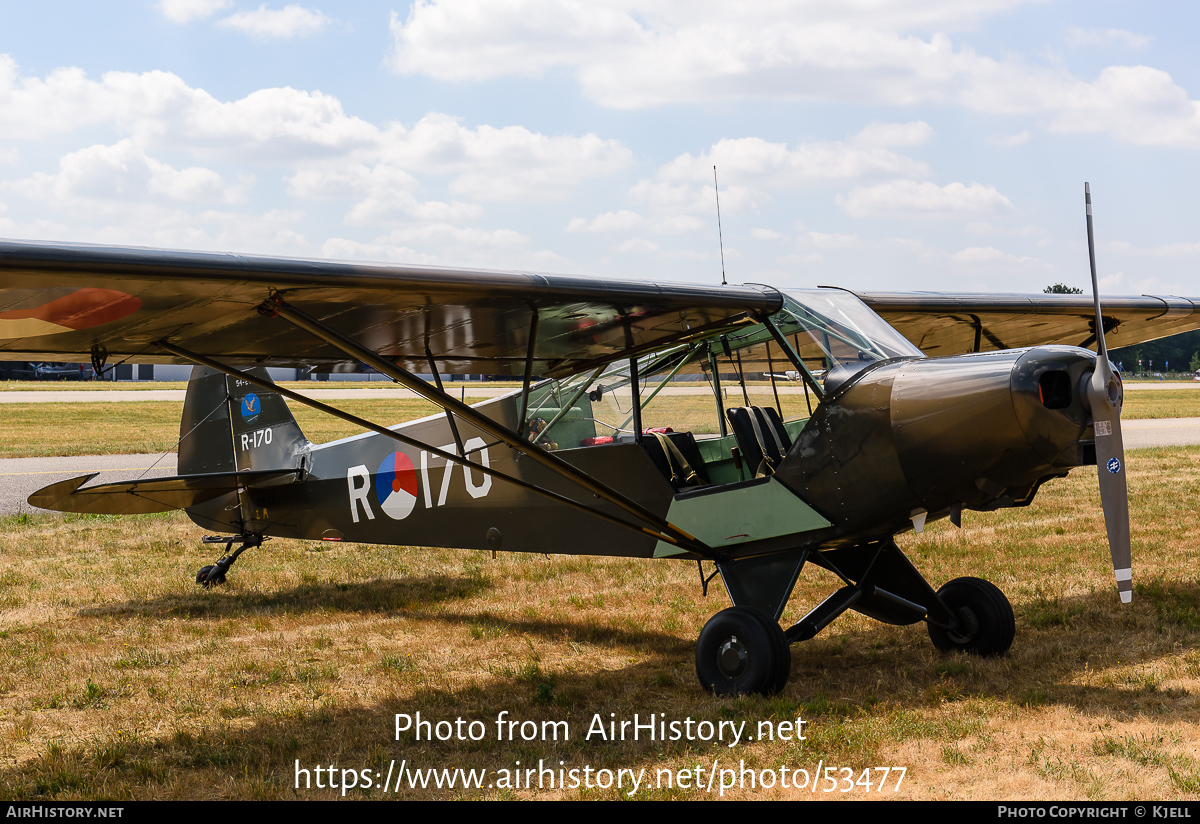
(153, 494)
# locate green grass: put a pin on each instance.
(121, 679)
(44, 429)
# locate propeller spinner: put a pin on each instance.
(1104, 396)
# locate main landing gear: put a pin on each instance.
(985, 626)
(742, 650)
(214, 574)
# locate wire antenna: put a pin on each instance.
(720, 239)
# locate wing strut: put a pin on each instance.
(277, 307)
(437, 378)
(692, 546)
(794, 356)
(522, 423)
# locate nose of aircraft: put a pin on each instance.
(986, 430)
(1049, 395)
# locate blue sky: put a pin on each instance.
(874, 145)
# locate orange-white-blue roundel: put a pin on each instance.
(78, 309)
(396, 485)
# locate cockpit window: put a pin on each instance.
(687, 387)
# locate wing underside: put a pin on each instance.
(68, 303)
(75, 303)
(943, 325)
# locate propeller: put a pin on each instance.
(1104, 398)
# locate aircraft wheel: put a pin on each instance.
(738, 653)
(987, 623)
(203, 577)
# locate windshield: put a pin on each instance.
(688, 386)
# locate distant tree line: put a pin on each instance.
(1181, 351)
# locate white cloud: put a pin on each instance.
(334, 154)
(340, 248)
(441, 245)
(159, 108)
(123, 172)
(775, 165)
(684, 185)
(382, 193)
(908, 198)
(982, 227)
(814, 257)
(1168, 250)
(1120, 283)
(989, 254)
(185, 11)
(1020, 138)
(502, 164)
(286, 23)
(626, 221)
(638, 245)
(1107, 37)
(444, 233)
(622, 221)
(168, 227)
(765, 234)
(822, 240)
(1138, 104)
(631, 54)
(914, 133)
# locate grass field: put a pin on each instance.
(153, 426)
(121, 679)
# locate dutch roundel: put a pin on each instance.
(396, 485)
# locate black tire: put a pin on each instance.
(737, 654)
(205, 577)
(987, 625)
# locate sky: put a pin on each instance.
(939, 145)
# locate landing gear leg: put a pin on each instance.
(742, 649)
(214, 574)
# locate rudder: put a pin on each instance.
(229, 424)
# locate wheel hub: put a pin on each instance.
(965, 628)
(732, 658)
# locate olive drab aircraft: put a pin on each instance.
(637, 429)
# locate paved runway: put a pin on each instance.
(20, 477)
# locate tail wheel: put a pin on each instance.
(206, 577)
(740, 651)
(985, 623)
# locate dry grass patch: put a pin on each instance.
(121, 679)
(131, 427)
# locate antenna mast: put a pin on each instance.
(720, 239)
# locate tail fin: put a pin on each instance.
(230, 425)
(233, 436)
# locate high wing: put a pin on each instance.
(942, 324)
(74, 302)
